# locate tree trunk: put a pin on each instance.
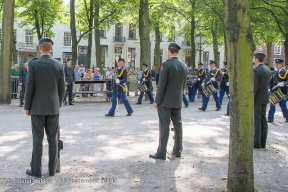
(157, 47)
(225, 47)
(215, 48)
(97, 38)
(240, 51)
(286, 47)
(90, 19)
(6, 47)
(192, 35)
(73, 33)
(269, 54)
(13, 50)
(144, 33)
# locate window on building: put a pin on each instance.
(277, 50)
(118, 30)
(205, 58)
(161, 56)
(103, 54)
(131, 57)
(65, 56)
(132, 31)
(118, 50)
(187, 54)
(29, 37)
(15, 35)
(102, 33)
(67, 39)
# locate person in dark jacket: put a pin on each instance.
(22, 81)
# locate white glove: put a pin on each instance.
(268, 90)
(199, 79)
(203, 84)
(223, 73)
(117, 81)
(144, 79)
(281, 84)
(213, 79)
(227, 84)
(139, 82)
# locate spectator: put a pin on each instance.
(88, 77)
(109, 76)
(77, 76)
(153, 78)
(22, 81)
(15, 80)
(96, 77)
(138, 75)
(82, 70)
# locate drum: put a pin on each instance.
(209, 90)
(276, 97)
(143, 88)
(192, 77)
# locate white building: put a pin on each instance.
(118, 41)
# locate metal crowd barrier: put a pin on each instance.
(14, 88)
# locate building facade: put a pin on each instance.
(117, 41)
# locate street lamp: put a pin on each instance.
(134, 59)
(199, 40)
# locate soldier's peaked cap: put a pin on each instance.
(278, 61)
(259, 54)
(120, 59)
(212, 62)
(144, 64)
(45, 39)
(174, 45)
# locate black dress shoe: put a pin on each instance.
(176, 154)
(202, 109)
(186, 106)
(286, 120)
(109, 115)
(129, 114)
(218, 109)
(51, 174)
(270, 120)
(227, 114)
(156, 156)
(151, 103)
(21, 105)
(71, 104)
(29, 172)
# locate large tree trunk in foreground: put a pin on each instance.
(144, 32)
(240, 52)
(73, 33)
(6, 52)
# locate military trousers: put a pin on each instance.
(51, 125)
(223, 89)
(283, 107)
(165, 114)
(122, 96)
(260, 125)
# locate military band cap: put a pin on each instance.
(259, 54)
(120, 59)
(45, 39)
(144, 64)
(25, 61)
(69, 59)
(200, 64)
(272, 69)
(212, 62)
(174, 45)
(225, 62)
(278, 61)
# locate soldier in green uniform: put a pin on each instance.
(261, 99)
(69, 80)
(44, 94)
(168, 102)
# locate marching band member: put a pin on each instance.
(197, 85)
(118, 91)
(279, 79)
(224, 83)
(146, 80)
(213, 77)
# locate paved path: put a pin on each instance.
(111, 154)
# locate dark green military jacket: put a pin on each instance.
(261, 84)
(45, 86)
(69, 74)
(172, 81)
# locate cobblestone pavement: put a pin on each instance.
(111, 154)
